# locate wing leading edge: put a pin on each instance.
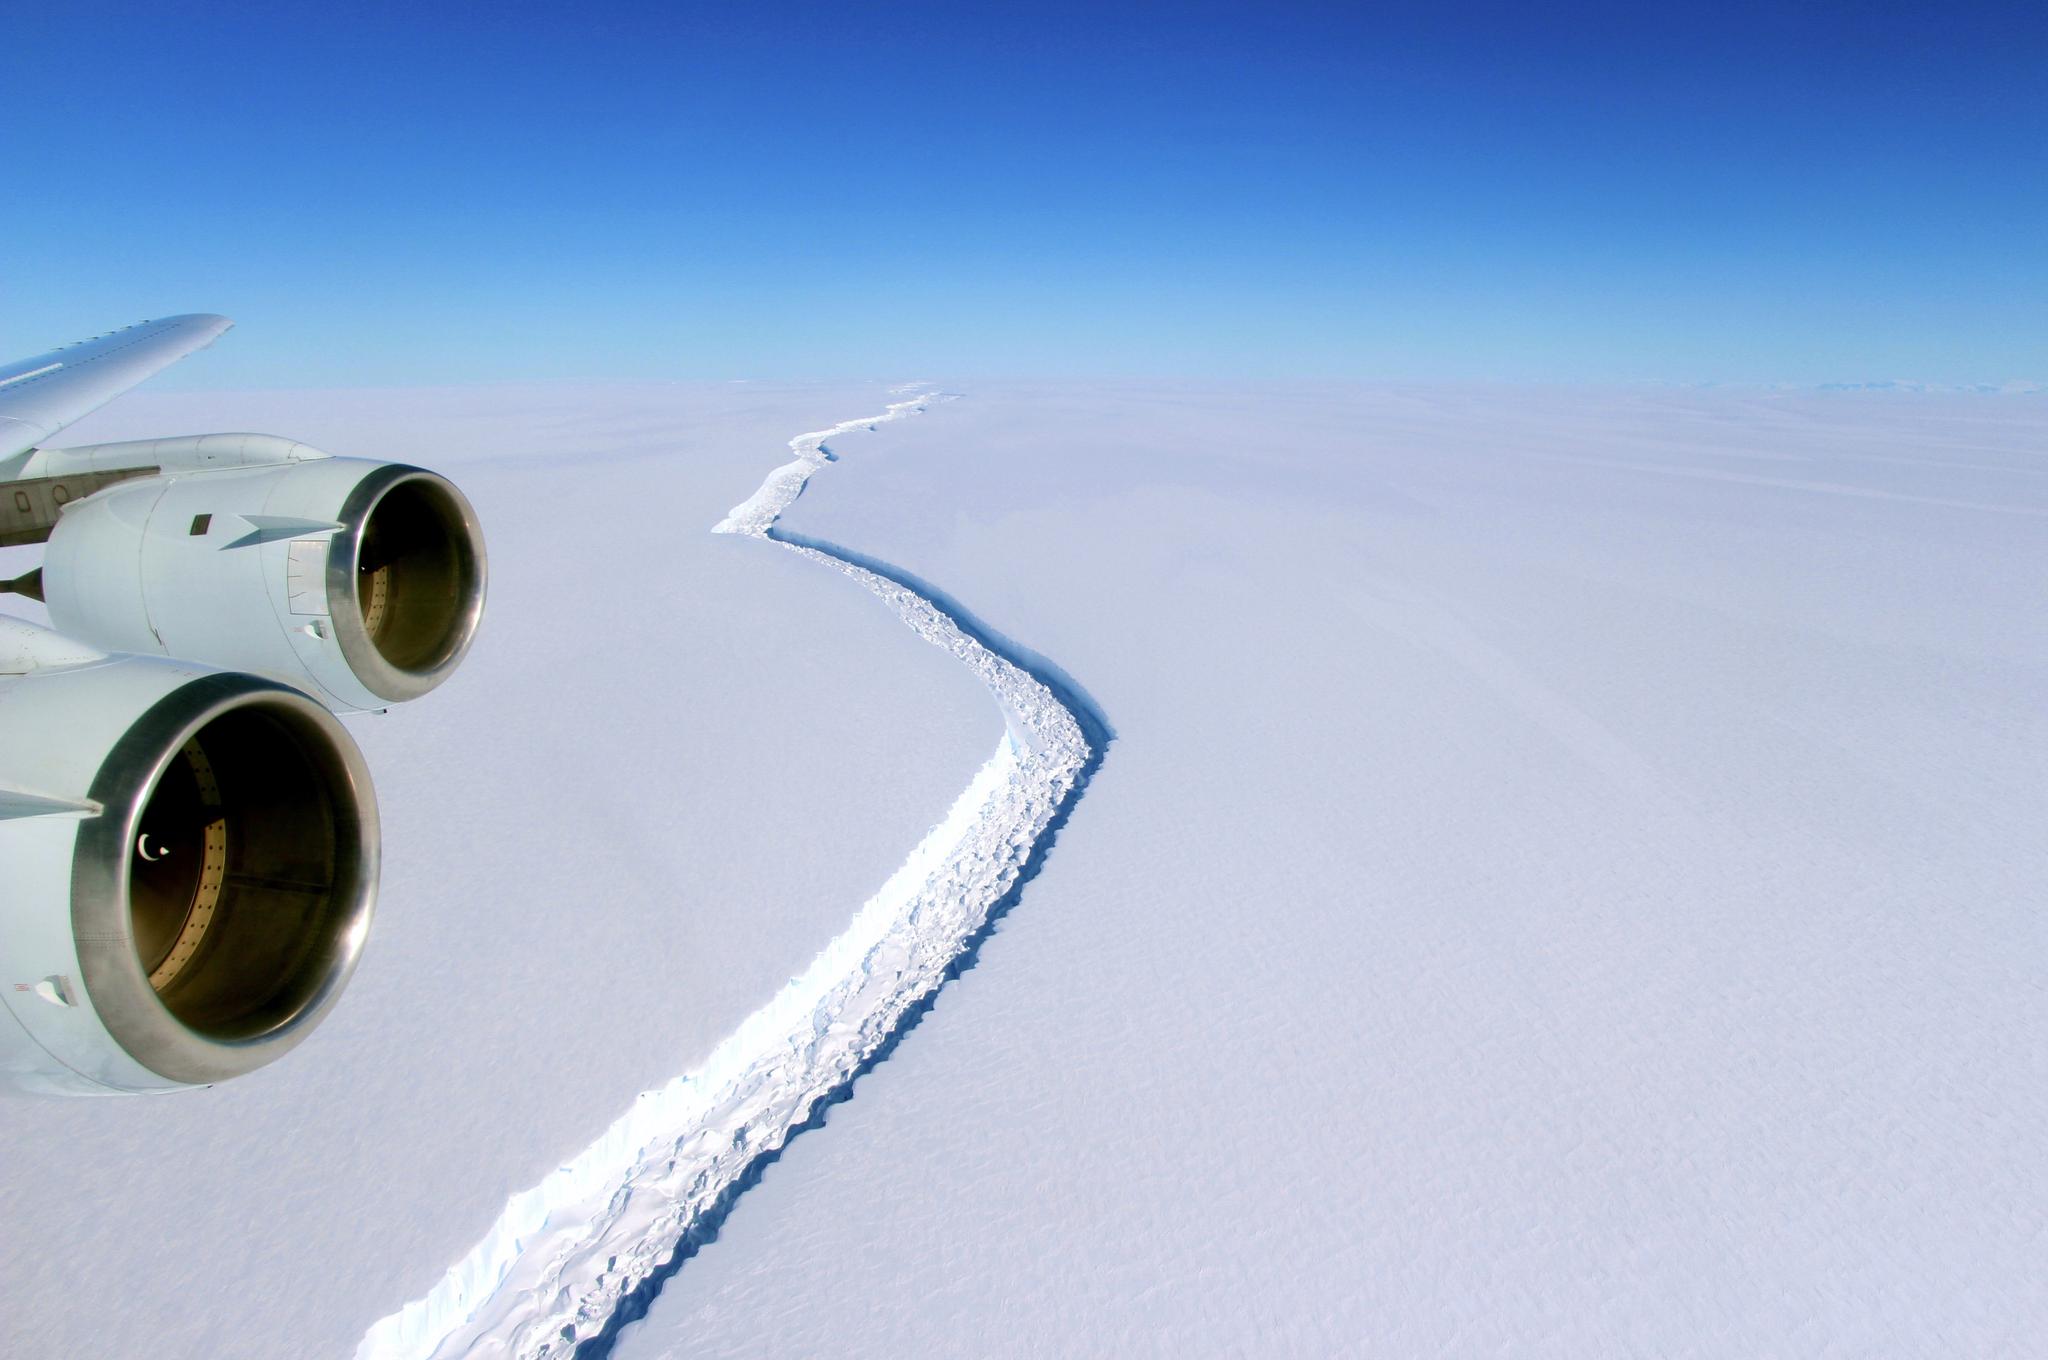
(40, 396)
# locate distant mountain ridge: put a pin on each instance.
(1908, 385)
(2016, 387)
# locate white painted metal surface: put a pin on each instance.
(246, 553)
(229, 566)
(179, 453)
(40, 396)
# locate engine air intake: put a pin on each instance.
(222, 900)
(410, 565)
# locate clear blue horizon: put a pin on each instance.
(386, 194)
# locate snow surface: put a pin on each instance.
(568, 1261)
(1567, 881)
(672, 768)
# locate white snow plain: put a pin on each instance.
(570, 1260)
(1565, 880)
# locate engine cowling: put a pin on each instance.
(361, 582)
(190, 870)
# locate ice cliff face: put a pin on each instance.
(571, 1257)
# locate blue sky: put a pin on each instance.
(394, 194)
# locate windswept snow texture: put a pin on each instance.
(1569, 883)
(670, 771)
(566, 1255)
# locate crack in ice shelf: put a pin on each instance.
(555, 1269)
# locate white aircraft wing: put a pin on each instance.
(40, 396)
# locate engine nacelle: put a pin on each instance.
(361, 582)
(188, 866)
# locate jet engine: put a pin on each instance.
(189, 847)
(190, 867)
(361, 582)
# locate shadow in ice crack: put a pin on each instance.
(1095, 727)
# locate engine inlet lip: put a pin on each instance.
(397, 684)
(113, 972)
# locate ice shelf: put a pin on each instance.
(563, 1257)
